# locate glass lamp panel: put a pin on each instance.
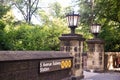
(92, 29)
(98, 28)
(76, 20)
(95, 28)
(70, 20)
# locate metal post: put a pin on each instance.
(72, 30)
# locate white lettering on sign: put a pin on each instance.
(56, 62)
(47, 64)
(44, 69)
(52, 65)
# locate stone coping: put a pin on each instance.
(117, 54)
(95, 40)
(112, 52)
(32, 55)
(68, 37)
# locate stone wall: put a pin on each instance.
(84, 60)
(112, 61)
(25, 65)
(73, 44)
(95, 55)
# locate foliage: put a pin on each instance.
(8, 18)
(105, 12)
(85, 11)
(108, 15)
(3, 10)
(26, 37)
(23, 36)
(111, 34)
(85, 16)
(110, 9)
(2, 36)
(55, 9)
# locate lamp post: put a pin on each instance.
(73, 44)
(72, 20)
(95, 29)
(95, 60)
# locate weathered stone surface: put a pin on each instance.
(69, 37)
(95, 55)
(95, 41)
(73, 44)
(25, 65)
(28, 55)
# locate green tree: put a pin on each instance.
(35, 37)
(105, 12)
(3, 10)
(85, 18)
(26, 37)
(56, 26)
(28, 8)
(110, 18)
(56, 9)
(2, 36)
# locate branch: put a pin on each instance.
(30, 6)
(36, 7)
(34, 3)
(24, 15)
(26, 10)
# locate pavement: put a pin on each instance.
(101, 76)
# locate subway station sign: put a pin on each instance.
(53, 65)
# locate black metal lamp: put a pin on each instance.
(95, 29)
(72, 20)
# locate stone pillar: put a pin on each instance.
(95, 61)
(73, 43)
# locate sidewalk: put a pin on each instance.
(101, 76)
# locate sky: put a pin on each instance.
(44, 4)
(64, 3)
